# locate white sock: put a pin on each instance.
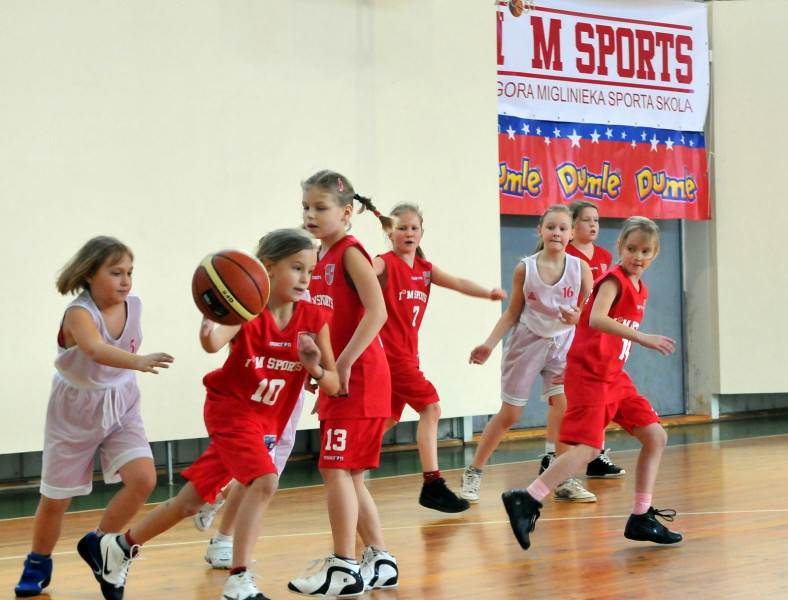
(549, 447)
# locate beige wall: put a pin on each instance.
(185, 127)
(736, 263)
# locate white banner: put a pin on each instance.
(643, 63)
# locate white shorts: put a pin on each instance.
(525, 357)
(78, 423)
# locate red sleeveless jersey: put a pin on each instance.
(369, 392)
(601, 355)
(262, 370)
(406, 293)
(600, 262)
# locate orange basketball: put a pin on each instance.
(230, 287)
(516, 7)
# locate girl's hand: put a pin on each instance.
(558, 379)
(660, 343)
(148, 363)
(480, 354)
(570, 315)
(308, 352)
(314, 408)
(206, 327)
(344, 377)
(498, 294)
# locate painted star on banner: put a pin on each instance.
(557, 132)
(669, 143)
(511, 132)
(634, 144)
(682, 139)
(609, 133)
(623, 135)
(526, 129)
(538, 131)
(654, 142)
(547, 140)
(643, 136)
(595, 137)
(575, 139)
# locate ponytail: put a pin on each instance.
(366, 204)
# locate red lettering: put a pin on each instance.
(645, 45)
(547, 52)
(665, 42)
(625, 40)
(684, 42)
(585, 29)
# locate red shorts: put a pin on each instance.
(352, 444)
(617, 401)
(409, 386)
(238, 449)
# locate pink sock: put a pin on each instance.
(538, 490)
(642, 504)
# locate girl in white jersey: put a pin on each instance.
(94, 403)
(547, 290)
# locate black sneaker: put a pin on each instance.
(547, 460)
(437, 496)
(602, 467)
(646, 528)
(523, 511)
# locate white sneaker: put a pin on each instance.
(204, 519)
(378, 569)
(571, 491)
(114, 565)
(241, 586)
(471, 480)
(336, 577)
(219, 554)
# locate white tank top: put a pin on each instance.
(77, 367)
(540, 313)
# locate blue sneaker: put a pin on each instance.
(35, 576)
(109, 562)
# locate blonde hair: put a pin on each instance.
(73, 277)
(642, 224)
(340, 187)
(281, 243)
(554, 208)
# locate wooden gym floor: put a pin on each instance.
(725, 480)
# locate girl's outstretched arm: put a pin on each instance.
(79, 324)
(214, 337)
(511, 315)
(465, 286)
(599, 319)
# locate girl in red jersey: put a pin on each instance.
(599, 391)
(585, 219)
(250, 397)
(406, 278)
(351, 422)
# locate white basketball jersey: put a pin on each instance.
(77, 367)
(541, 313)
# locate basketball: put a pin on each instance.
(516, 7)
(230, 287)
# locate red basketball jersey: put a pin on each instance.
(369, 393)
(600, 262)
(263, 369)
(601, 355)
(406, 294)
